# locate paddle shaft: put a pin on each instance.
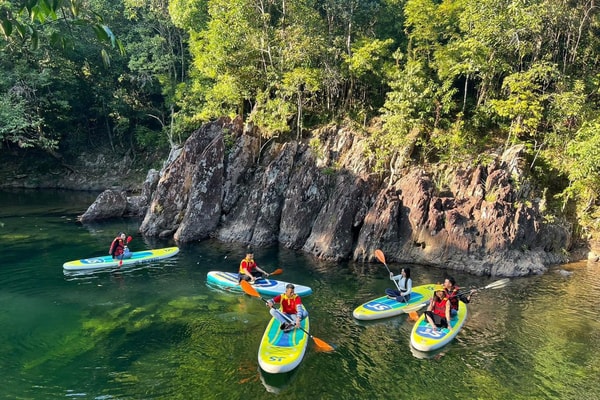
(287, 318)
(381, 257)
(248, 289)
(494, 285)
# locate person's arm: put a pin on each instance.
(430, 306)
(244, 269)
(395, 277)
(466, 297)
(274, 301)
(112, 249)
(448, 315)
(262, 271)
(298, 309)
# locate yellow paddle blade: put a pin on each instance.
(321, 345)
(248, 289)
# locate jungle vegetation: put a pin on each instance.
(453, 78)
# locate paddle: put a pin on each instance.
(413, 315)
(412, 312)
(129, 238)
(494, 285)
(381, 257)
(278, 271)
(321, 345)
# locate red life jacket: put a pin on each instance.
(453, 297)
(288, 304)
(116, 247)
(439, 307)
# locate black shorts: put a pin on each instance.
(244, 277)
(440, 322)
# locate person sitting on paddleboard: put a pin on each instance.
(453, 294)
(405, 285)
(249, 270)
(118, 248)
(438, 311)
(291, 309)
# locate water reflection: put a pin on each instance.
(275, 383)
(159, 332)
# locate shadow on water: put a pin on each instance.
(276, 383)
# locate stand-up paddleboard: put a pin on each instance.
(281, 351)
(269, 287)
(425, 338)
(137, 257)
(384, 307)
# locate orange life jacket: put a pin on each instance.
(247, 265)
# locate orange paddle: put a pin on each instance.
(321, 345)
(413, 315)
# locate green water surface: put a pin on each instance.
(157, 331)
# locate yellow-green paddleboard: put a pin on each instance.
(281, 351)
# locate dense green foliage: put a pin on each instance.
(446, 79)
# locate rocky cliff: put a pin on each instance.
(326, 200)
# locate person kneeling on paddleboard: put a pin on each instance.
(404, 285)
(118, 248)
(249, 270)
(438, 311)
(292, 311)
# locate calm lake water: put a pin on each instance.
(158, 331)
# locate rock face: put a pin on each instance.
(109, 204)
(188, 199)
(326, 200)
(114, 203)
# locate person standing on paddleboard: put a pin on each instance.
(452, 293)
(291, 309)
(249, 270)
(404, 285)
(118, 248)
(438, 311)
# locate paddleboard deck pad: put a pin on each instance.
(281, 351)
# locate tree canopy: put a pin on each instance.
(447, 78)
